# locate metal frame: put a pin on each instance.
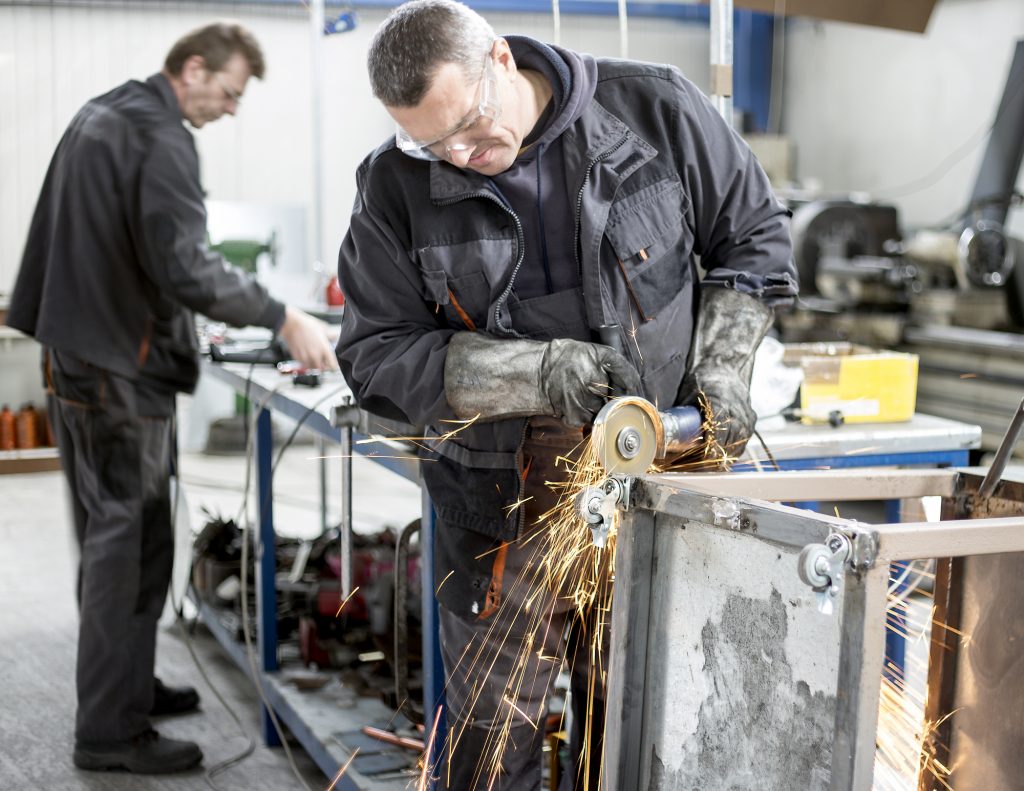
(726, 502)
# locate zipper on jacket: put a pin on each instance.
(579, 198)
(520, 241)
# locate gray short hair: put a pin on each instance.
(419, 37)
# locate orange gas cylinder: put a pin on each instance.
(27, 429)
(8, 430)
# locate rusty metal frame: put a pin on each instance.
(727, 501)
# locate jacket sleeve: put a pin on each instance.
(392, 348)
(175, 254)
(741, 230)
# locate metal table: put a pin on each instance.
(318, 725)
(923, 440)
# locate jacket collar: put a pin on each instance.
(159, 83)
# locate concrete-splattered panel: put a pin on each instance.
(742, 666)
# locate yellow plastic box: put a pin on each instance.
(861, 384)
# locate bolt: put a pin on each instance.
(628, 442)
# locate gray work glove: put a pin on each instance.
(496, 378)
(730, 326)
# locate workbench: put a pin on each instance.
(924, 440)
(327, 731)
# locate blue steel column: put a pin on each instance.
(752, 67)
(433, 665)
(266, 566)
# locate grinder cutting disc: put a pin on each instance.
(626, 435)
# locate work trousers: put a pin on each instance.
(115, 440)
(501, 668)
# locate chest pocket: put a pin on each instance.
(466, 278)
(652, 242)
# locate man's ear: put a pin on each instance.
(192, 69)
(503, 58)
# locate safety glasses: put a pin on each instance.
(485, 112)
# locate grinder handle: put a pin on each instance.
(684, 428)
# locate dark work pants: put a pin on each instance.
(115, 447)
(495, 687)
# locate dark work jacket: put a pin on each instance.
(116, 259)
(656, 178)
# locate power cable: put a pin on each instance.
(245, 526)
(768, 453)
(178, 608)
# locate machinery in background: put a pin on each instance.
(367, 638)
(954, 295)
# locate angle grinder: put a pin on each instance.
(629, 433)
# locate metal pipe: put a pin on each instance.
(917, 540)
(321, 451)
(316, 54)
(623, 30)
(392, 738)
(1000, 166)
(721, 58)
(861, 657)
(696, 13)
(995, 471)
(404, 702)
(840, 485)
(345, 529)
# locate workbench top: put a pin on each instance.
(920, 434)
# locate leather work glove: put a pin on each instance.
(730, 326)
(496, 378)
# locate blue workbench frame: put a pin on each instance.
(266, 568)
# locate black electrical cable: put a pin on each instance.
(250, 653)
(299, 423)
(179, 620)
(768, 453)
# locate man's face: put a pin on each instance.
(209, 95)
(449, 116)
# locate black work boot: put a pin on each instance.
(149, 753)
(172, 700)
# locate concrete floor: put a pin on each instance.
(38, 626)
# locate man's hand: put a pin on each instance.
(307, 340)
(730, 326)
(495, 378)
(728, 400)
(579, 378)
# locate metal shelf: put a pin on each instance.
(316, 721)
(35, 460)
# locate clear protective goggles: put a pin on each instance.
(485, 112)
